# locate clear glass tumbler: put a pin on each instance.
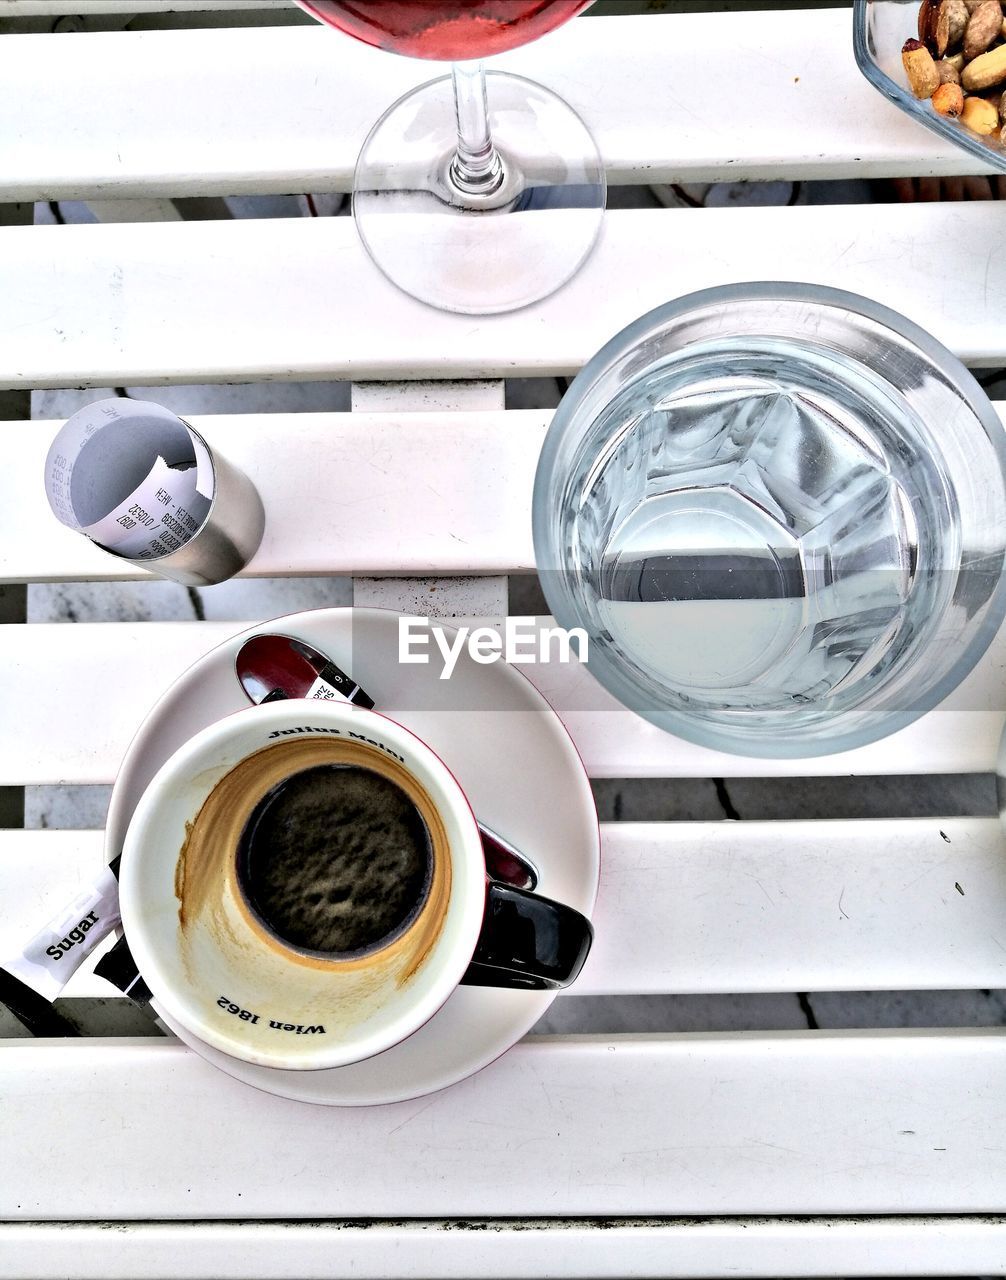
(779, 512)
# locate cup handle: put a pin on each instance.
(528, 941)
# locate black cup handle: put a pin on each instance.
(528, 941)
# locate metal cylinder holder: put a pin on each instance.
(145, 486)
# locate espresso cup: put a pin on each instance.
(303, 885)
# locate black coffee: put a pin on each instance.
(335, 859)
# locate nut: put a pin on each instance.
(986, 70)
(928, 14)
(948, 100)
(923, 78)
(980, 116)
(984, 26)
(968, 83)
(950, 25)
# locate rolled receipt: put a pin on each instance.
(141, 482)
(48, 961)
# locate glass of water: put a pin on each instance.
(779, 513)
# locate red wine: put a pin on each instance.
(446, 30)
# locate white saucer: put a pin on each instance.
(519, 769)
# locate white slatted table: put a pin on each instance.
(856, 1153)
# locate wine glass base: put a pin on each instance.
(480, 254)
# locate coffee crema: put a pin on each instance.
(336, 859)
(220, 897)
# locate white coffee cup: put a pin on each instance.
(219, 970)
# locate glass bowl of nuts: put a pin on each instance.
(943, 62)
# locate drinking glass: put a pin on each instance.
(472, 196)
(779, 513)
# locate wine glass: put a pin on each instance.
(469, 202)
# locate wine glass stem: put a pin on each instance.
(476, 168)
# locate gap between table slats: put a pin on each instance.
(894, 904)
(189, 302)
(286, 109)
(608, 1249)
(807, 1123)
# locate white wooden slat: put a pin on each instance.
(391, 493)
(459, 596)
(709, 907)
(228, 111)
(366, 493)
(414, 396)
(108, 705)
(961, 736)
(74, 730)
(298, 298)
(800, 906)
(657, 1249)
(806, 1123)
